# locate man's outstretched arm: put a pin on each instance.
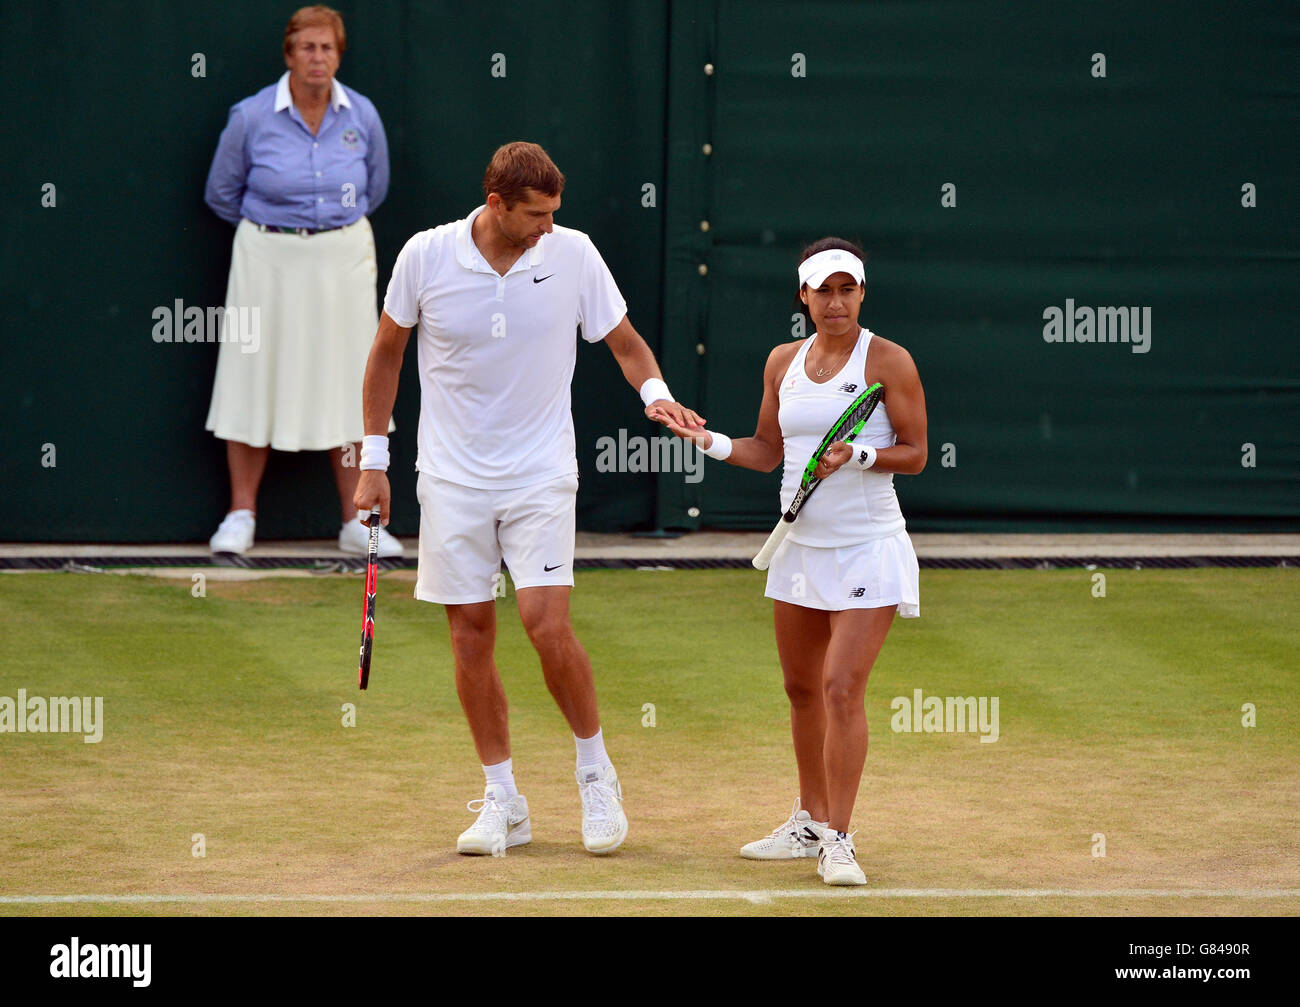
(639, 366)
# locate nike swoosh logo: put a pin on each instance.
(548, 569)
(546, 277)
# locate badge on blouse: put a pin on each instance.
(351, 139)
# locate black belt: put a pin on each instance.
(302, 232)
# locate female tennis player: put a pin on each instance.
(847, 564)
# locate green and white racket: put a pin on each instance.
(844, 429)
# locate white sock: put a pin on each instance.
(591, 751)
(502, 775)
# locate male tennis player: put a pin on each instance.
(498, 298)
(847, 564)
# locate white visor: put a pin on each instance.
(814, 269)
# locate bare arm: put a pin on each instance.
(906, 403)
(383, 366)
(378, 394)
(765, 449)
(639, 365)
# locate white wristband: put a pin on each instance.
(864, 456)
(374, 452)
(654, 389)
(720, 448)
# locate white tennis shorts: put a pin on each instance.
(872, 574)
(466, 532)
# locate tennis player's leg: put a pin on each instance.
(801, 635)
(473, 631)
(801, 638)
(544, 612)
(855, 640)
(460, 568)
(537, 539)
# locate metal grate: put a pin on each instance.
(338, 564)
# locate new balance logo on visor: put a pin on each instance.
(848, 387)
(539, 279)
(857, 592)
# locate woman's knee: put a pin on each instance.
(845, 693)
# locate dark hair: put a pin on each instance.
(517, 167)
(825, 245)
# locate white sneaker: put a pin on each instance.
(502, 822)
(798, 837)
(604, 826)
(235, 533)
(354, 539)
(837, 863)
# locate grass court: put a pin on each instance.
(1119, 716)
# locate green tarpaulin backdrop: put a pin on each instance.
(1122, 190)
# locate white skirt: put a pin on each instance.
(289, 373)
(871, 574)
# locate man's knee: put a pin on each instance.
(547, 629)
(544, 613)
(472, 629)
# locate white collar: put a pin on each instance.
(283, 98)
(469, 256)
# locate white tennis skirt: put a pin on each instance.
(873, 574)
(293, 356)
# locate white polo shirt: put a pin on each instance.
(496, 353)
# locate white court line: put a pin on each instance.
(754, 896)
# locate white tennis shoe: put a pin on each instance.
(604, 826)
(799, 836)
(502, 822)
(837, 863)
(354, 540)
(235, 533)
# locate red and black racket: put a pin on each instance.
(368, 609)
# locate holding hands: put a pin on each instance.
(685, 423)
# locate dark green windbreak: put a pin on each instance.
(823, 118)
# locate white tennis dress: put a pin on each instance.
(849, 547)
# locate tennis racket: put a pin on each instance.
(844, 429)
(368, 607)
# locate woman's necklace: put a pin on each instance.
(823, 371)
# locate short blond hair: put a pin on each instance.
(316, 16)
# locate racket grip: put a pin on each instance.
(374, 517)
(773, 543)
